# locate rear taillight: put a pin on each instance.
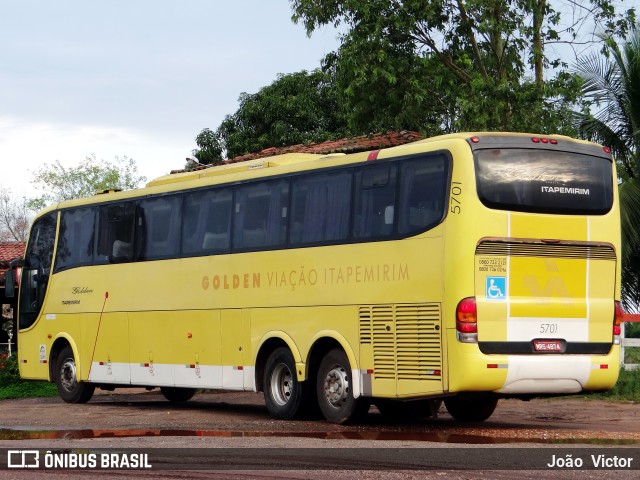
(552, 141)
(467, 321)
(617, 321)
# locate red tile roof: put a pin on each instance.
(11, 250)
(362, 143)
(346, 145)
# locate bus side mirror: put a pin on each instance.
(10, 278)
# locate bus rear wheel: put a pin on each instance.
(470, 409)
(66, 378)
(334, 388)
(177, 395)
(285, 396)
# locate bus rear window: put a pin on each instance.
(544, 181)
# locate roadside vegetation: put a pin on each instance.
(628, 386)
(12, 386)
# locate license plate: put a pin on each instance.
(547, 345)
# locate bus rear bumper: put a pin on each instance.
(559, 374)
(530, 375)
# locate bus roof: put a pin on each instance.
(467, 135)
(287, 162)
(225, 169)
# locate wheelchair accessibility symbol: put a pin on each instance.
(496, 288)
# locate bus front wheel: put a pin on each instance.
(66, 378)
(283, 393)
(470, 409)
(335, 389)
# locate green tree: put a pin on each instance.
(459, 64)
(612, 85)
(15, 217)
(296, 108)
(91, 176)
(210, 148)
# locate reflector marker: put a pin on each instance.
(497, 365)
(373, 155)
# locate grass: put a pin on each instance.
(28, 389)
(632, 355)
(12, 386)
(627, 388)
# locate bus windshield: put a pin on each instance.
(544, 181)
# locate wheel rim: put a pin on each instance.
(336, 386)
(281, 384)
(68, 374)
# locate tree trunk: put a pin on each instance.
(538, 7)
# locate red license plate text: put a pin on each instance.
(547, 345)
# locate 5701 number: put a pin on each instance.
(456, 192)
(548, 328)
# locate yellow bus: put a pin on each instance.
(463, 268)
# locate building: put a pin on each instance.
(8, 325)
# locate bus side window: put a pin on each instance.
(115, 233)
(158, 234)
(207, 222)
(75, 240)
(422, 193)
(374, 201)
(320, 208)
(261, 215)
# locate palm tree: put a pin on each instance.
(612, 87)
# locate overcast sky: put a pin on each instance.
(135, 78)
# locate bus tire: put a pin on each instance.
(283, 393)
(470, 409)
(335, 390)
(66, 379)
(177, 394)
